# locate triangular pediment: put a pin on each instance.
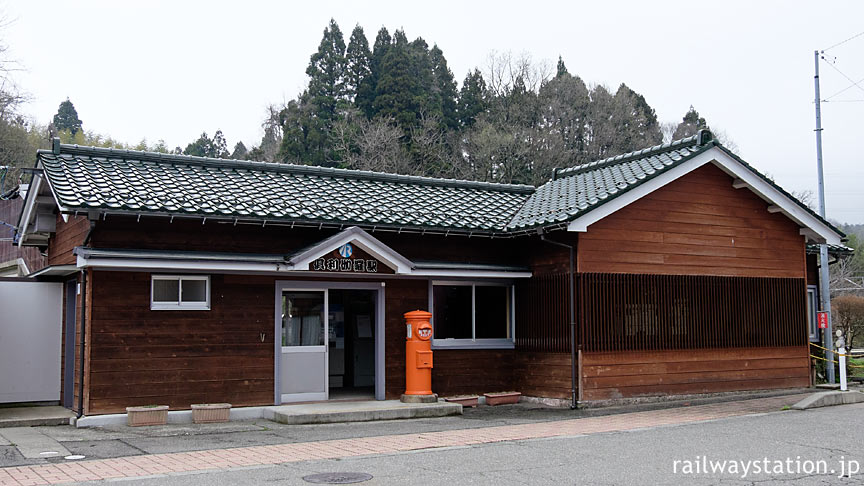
(352, 250)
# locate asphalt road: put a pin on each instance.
(830, 438)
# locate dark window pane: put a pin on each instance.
(194, 291)
(452, 308)
(493, 312)
(166, 291)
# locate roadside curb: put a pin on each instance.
(829, 399)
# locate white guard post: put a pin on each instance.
(840, 346)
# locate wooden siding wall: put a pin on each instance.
(68, 235)
(9, 212)
(176, 358)
(696, 225)
(644, 373)
(543, 374)
(543, 313)
(638, 312)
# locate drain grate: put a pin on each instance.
(337, 478)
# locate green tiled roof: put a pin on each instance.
(85, 178)
(576, 190)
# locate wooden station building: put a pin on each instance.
(196, 280)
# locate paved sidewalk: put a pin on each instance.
(227, 459)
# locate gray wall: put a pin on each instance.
(30, 335)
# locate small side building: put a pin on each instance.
(206, 280)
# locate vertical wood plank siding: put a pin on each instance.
(624, 312)
(542, 313)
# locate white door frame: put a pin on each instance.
(325, 286)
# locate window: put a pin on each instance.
(174, 292)
(812, 326)
(466, 314)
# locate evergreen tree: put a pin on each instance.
(205, 146)
(240, 151)
(67, 118)
(326, 73)
(690, 124)
(562, 69)
(366, 94)
(358, 67)
(635, 121)
(404, 89)
(472, 99)
(445, 87)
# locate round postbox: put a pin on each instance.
(418, 353)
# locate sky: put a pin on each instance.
(172, 69)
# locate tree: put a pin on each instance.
(240, 152)
(326, 73)
(205, 146)
(561, 69)
(404, 88)
(690, 124)
(472, 99)
(366, 94)
(67, 118)
(374, 145)
(848, 315)
(358, 66)
(444, 86)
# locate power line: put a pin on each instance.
(843, 90)
(842, 101)
(842, 73)
(843, 42)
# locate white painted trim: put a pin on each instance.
(29, 204)
(743, 176)
(363, 240)
(156, 264)
(469, 273)
(146, 264)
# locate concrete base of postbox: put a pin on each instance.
(433, 398)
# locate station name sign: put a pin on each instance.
(345, 265)
(348, 259)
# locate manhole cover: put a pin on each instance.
(337, 478)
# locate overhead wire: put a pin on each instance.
(843, 42)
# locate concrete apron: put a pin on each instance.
(306, 413)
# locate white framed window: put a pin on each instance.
(180, 292)
(476, 315)
(812, 306)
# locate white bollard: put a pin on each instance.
(843, 370)
(840, 346)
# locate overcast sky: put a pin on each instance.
(172, 69)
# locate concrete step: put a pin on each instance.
(335, 412)
(35, 416)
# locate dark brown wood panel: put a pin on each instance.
(629, 374)
(696, 225)
(401, 296)
(472, 371)
(176, 358)
(68, 235)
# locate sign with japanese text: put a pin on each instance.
(349, 259)
(822, 319)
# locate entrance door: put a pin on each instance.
(352, 322)
(303, 364)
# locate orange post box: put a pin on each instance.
(418, 357)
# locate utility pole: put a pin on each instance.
(824, 290)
